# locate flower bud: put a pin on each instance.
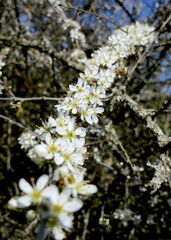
(31, 215)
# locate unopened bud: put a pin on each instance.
(31, 215)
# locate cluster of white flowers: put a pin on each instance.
(74, 28)
(86, 96)
(78, 54)
(61, 141)
(27, 140)
(55, 207)
(127, 215)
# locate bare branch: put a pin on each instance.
(93, 13)
(30, 99)
(163, 108)
(38, 44)
(145, 116)
(125, 10)
(14, 122)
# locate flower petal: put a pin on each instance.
(73, 206)
(60, 130)
(58, 159)
(13, 202)
(41, 150)
(58, 233)
(42, 181)
(24, 201)
(95, 118)
(66, 221)
(51, 193)
(80, 131)
(88, 189)
(64, 196)
(89, 119)
(25, 186)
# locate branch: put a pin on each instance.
(145, 116)
(92, 13)
(30, 99)
(148, 49)
(163, 108)
(14, 122)
(12, 41)
(111, 130)
(125, 10)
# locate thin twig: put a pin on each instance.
(105, 165)
(111, 130)
(92, 13)
(163, 108)
(142, 57)
(30, 99)
(125, 10)
(96, 142)
(86, 222)
(14, 122)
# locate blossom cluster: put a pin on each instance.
(106, 65)
(62, 141)
(74, 28)
(76, 36)
(127, 215)
(54, 207)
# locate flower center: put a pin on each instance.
(57, 208)
(52, 148)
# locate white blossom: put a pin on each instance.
(27, 140)
(33, 194)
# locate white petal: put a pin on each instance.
(25, 186)
(71, 124)
(13, 202)
(99, 110)
(42, 181)
(95, 118)
(41, 150)
(73, 206)
(88, 189)
(51, 122)
(72, 88)
(58, 159)
(93, 100)
(51, 193)
(60, 130)
(48, 138)
(58, 233)
(80, 131)
(88, 119)
(74, 110)
(66, 220)
(77, 159)
(24, 201)
(70, 167)
(49, 156)
(78, 143)
(64, 196)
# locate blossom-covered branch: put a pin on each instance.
(62, 141)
